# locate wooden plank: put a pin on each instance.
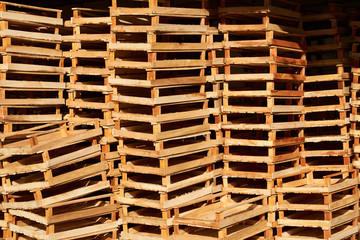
(243, 10)
(19, 17)
(178, 63)
(120, 46)
(49, 142)
(286, 44)
(263, 143)
(85, 231)
(82, 200)
(32, 36)
(86, 54)
(346, 233)
(355, 86)
(324, 78)
(241, 109)
(328, 93)
(31, 69)
(327, 123)
(196, 80)
(82, 214)
(188, 197)
(194, 114)
(79, 174)
(33, 50)
(284, 29)
(20, 169)
(249, 231)
(32, 118)
(249, 191)
(160, 100)
(252, 61)
(79, 86)
(30, 231)
(242, 28)
(131, 29)
(33, 7)
(247, 44)
(160, 11)
(335, 138)
(82, 103)
(165, 135)
(12, 84)
(178, 168)
(173, 151)
(325, 108)
(73, 194)
(264, 61)
(69, 158)
(26, 102)
(174, 186)
(162, 64)
(29, 131)
(87, 38)
(258, 210)
(177, 47)
(264, 77)
(78, 21)
(89, 71)
(29, 215)
(6, 189)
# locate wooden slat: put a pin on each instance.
(18, 17)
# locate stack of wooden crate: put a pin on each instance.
(263, 89)
(89, 89)
(158, 57)
(32, 73)
(153, 86)
(326, 89)
(318, 208)
(215, 76)
(54, 184)
(355, 87)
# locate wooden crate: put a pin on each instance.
(328, 203)
(32, 65)
(53, 176)
(229, 217)
(326, 90)
(89, 89)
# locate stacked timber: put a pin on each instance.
(32, 73)
(318, 208)
(54, 184)
(167, 157)
(215, 76)
(262, 97)
(355, 88)
(89, 89)
(326, 90)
